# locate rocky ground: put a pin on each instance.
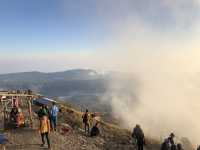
(70, 136)
(27, 139)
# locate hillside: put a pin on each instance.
(111, 138)
(56, 83)
(80, 87)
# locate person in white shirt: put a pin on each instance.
(54, 115)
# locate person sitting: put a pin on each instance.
(20, 118)
(13, 115)
(95, 130)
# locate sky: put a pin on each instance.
(55, 35)
(158, 40)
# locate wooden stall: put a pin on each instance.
(16, 107)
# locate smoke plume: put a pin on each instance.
(165, 95)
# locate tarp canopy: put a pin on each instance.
(43, 101)
(3, 139)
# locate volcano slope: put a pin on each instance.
(70, 136)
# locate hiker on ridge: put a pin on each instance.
(85, 118)
(54, 115)
(138, 135)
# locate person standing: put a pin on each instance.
(171, 141)
(54, 115)
(85, 118)
(165, 145)
(44, 130)
(138, 135)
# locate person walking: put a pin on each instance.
(44, 130)
(54, 116)
(138, 135)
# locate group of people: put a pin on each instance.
(17, 117)
(47, 122)
(169, 144)
(94, 130)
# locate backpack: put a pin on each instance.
(138, 133)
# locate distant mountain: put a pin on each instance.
(78, 74)
(57, 83)
(82, 88)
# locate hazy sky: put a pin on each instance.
(52, 35)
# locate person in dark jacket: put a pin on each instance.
(138, 135)
(165, 145)
(198, 148)
(171, 140)
(179, 146)
(85, 118)
(42, 112)
(95, 130)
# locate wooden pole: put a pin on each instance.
(30, 113)
(4, 118)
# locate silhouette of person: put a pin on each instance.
(139, 136)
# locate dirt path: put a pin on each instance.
(29, 139)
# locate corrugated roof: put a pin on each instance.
(43, 101)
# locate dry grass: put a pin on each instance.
(112, 137)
